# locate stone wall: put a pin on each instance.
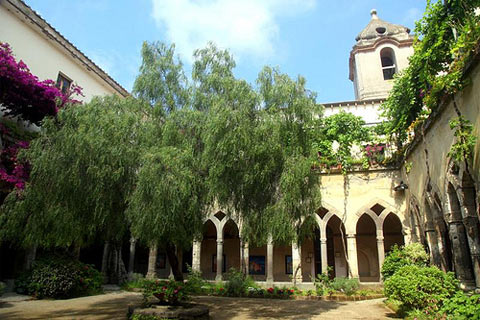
(442, 197)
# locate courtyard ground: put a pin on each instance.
(114, 306)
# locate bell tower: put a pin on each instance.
(381, 50)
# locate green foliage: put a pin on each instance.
(462, 149)
(462, 307)
(446, 39)
(237, 283)
(161, 82)
(135, 281)
(420, 287)
(144, 317)
(345, 129)
(345, 285)
(55, 277)
(323, 283)
(83, 167)
(2, 287)
(171, 292)
(195, 281)
(412, 254)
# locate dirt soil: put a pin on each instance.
(115, 305)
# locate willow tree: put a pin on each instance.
(258, 147)
(84, 166)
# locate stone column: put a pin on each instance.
(297, 263)
(131, 258)
(323, 248)
(432, 241)
(270, 260)
(218, 277)
(244, 257)
(106, 248)
(152, 262)
(381, 253)
(352, 255)
(473, 236)
(196, 255)
(463, 269)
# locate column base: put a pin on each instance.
(218, 278)
(151, 276)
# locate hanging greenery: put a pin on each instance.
(462, 149)
(446, 38)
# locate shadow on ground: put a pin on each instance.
(227, 308)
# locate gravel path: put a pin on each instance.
(114, 306)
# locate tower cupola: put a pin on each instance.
(381, 50)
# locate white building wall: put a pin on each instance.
(45, 58)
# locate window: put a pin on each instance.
(63, 83)
(387, 57)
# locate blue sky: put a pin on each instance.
(308, 37)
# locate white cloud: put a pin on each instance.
(246, 27)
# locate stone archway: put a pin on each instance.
(392, 232)
(208, 250)
(366, 236)
(310, 249)
(231, 245)
(336, 247)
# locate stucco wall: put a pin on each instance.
(429, 159)
(44, 58)
(368, 71)
(355, 193)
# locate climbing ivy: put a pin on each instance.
(446, 38)
(462, 149)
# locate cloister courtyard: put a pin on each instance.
(115, 306)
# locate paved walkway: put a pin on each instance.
(114, 306)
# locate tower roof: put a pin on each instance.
(378, 28)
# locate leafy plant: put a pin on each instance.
(412, 254)
(195, 281)
(171, 292)
(445, 40)
(345, 285)
(463, 147)
(462, 307)
(421, 287)
(57, 277)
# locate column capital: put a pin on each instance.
(133, 240)
(219, 241)
(351, 235)
(323, 240)
(380, 239)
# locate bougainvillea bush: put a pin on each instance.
(23, 95)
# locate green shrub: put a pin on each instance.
(323, 283)
(195, 281)
(462, 307)
(345, 285)
(171, 292)
(2, 288)
(413, 254)
(136, 281)
(57, 277)
(237, 283)
(420, 287)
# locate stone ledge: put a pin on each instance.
(185, 311)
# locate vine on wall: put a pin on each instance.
(446, 39)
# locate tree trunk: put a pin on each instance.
(172, 258)
(30, 256)
(113, 267)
